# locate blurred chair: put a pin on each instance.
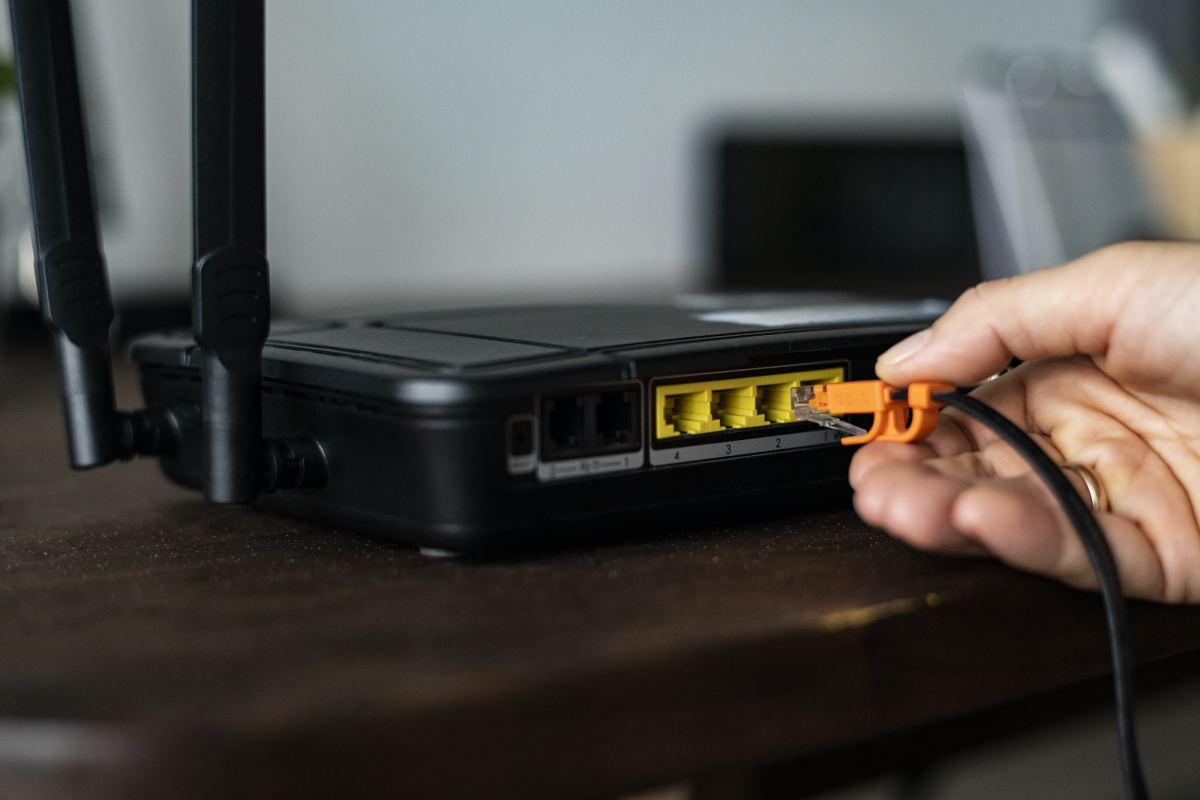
(879, 209)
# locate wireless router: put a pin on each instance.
(460, 430)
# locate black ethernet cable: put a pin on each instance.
(1103, 565)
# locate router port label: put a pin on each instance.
(742, 447)
(579, 467)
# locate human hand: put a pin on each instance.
(1110, 379)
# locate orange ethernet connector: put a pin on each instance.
(900, 415)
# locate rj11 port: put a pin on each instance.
(589, 423)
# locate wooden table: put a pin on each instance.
(153, 646)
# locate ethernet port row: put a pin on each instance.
(714, 405)
(590, 423)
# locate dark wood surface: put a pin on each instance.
(151, 645)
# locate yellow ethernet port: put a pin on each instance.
(711, 406)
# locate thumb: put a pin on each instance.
(1045, 314)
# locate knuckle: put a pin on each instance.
(1122, 256)
(967, 307)
(918, 526)
(984, 298)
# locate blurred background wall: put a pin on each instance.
(432, 148)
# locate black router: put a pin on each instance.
(460, 430)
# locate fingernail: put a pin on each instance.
(907, 347)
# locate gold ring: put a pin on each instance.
(1095, 486)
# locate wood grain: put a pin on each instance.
(151, 644)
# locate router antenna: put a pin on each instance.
(231, 305)
(72, 282)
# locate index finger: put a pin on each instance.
(1050, 313)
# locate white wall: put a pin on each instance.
(436, 146)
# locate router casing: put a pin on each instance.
(458, 430)
(494, 428)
